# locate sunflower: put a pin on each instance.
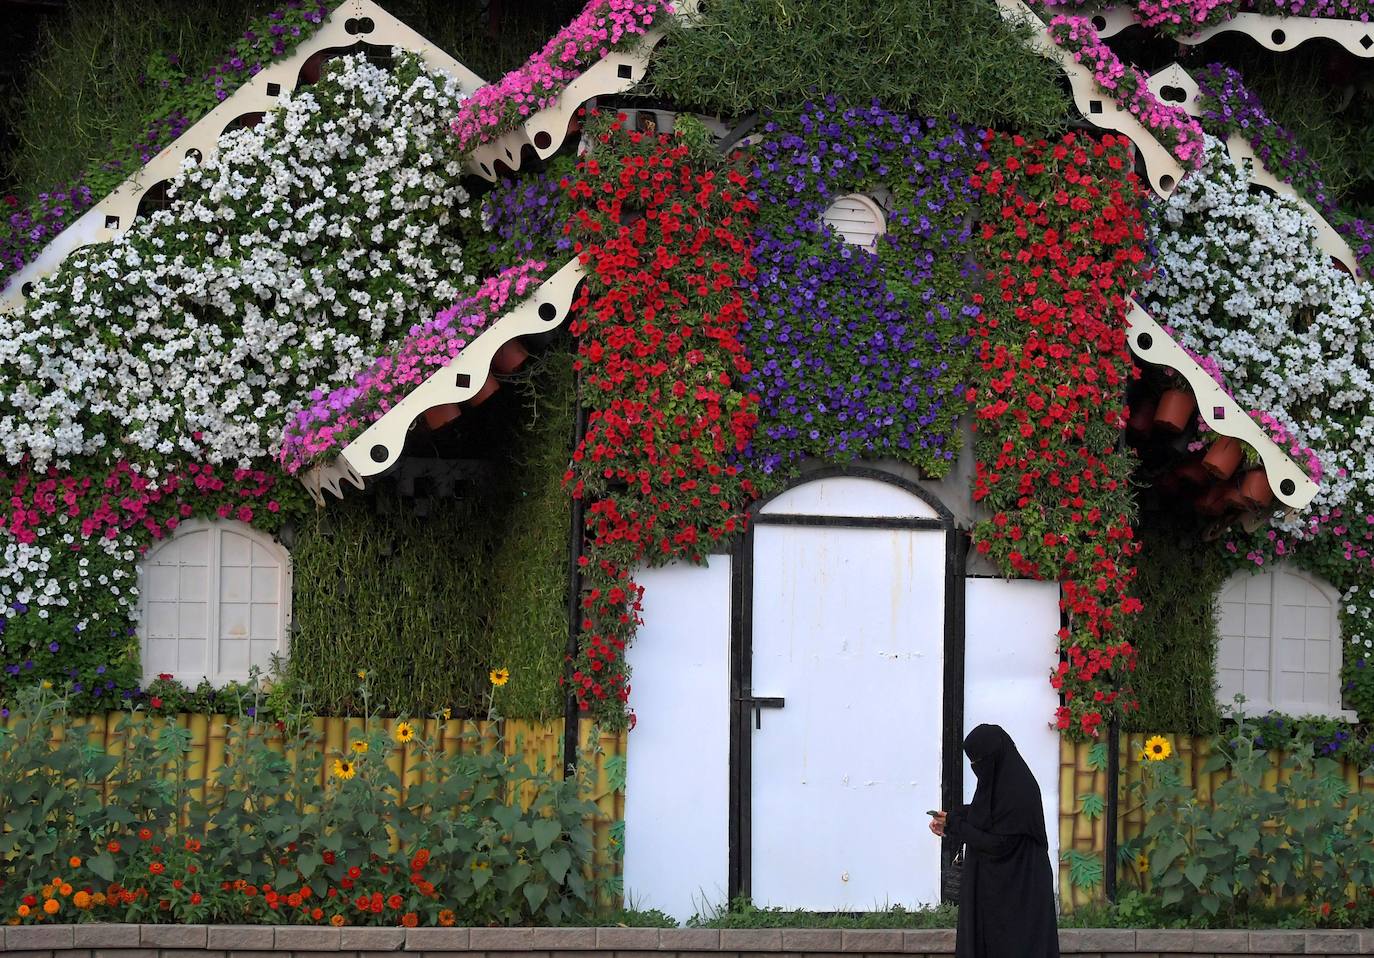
(359, 745)
(499, 677)
(404, 732)
(1158, 749)
(344, 770)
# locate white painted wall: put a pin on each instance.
(1009, 650)
(677, 790)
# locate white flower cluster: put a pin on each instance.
(287, 261)
(1240, 278)
(1357, 607)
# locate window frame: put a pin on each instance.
(1330, 709)
(216, 529)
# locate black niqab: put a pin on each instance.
(1006, 906)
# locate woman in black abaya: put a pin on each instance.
(1006, 894)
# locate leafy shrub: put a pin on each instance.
(1308, 839)
(271, 838)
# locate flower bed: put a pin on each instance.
(1061, 241)
(857, 352)
(603, 25)
(664, 234)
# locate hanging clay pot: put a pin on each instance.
(510, 357)
(1254, 486)
(437, 417)
(486, 392)
(1232, 500)
(1142, 418)
(1175, 410)
(1192, 473)
(1223, 455)
(1212, 502)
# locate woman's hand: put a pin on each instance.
(937, 824)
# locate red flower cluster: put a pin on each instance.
(666, 238)
(1061, 242)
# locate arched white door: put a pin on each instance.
(844, 696)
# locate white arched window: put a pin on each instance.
(1280, 643)
(858, 219)
(215, 600)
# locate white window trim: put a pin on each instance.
(216, 528)
(1331, 710)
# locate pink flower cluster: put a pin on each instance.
(334, 420)
(600, 27)
(1300, 453)
(1183, 16)
(1173, 127)
(123, 500)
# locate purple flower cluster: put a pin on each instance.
(1228, 107)
(859, 353)
(527, 216)
(27, 230)
(31, 228)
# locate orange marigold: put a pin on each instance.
(51, 906)
(23, 911)
(410, 919)
(65, 890)
(74, 862)
(82, 900)
(447, 918)
(337, 921)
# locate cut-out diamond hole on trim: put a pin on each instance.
(548, 312)
(112, 222)
(378, 453)
(1218, 412)
(1367, 41)
(1095, 106)
(274, 89)
(625, 71)
(462, 380)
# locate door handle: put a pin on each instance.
(761, 702)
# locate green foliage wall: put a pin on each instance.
(927, 57)
(1178, 580)
(429, 605)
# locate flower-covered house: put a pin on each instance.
(796, 431)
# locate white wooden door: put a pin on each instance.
(847, 628)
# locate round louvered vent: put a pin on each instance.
(857, 219)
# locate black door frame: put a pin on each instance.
(743, 707)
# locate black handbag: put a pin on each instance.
(952, 876)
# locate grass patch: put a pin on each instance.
(929, 57)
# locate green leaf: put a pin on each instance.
(1195, 873)
(367, 821)
(308, 862)
(616, 769)
(1091, 805)
(1085, 869)
(545, 832)
(1097, 757)
(535, 893)
(480, 877)
(556, 862)
(103, 865)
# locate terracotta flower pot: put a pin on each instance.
(1142, 418)
(1254, 486)
(486, 392)
(1175, 410)
(510, 357)
(437, 417)
(1223, 455)
(1192, 473)
(1232, 500)
(1212, 502)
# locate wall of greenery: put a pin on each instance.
(939, 58)
(428, 596)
